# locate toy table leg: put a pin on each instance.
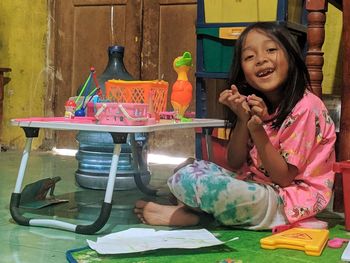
(82, 229)
(16, 195)
(23, 165)
(208, 144)
(137, 176)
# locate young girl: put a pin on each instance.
(281, 146)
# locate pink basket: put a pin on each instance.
(123, 114)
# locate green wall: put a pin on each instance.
(23, 37)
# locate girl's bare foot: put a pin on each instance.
(165, 215)
(172, 199)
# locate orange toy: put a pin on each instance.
(137, 91)
(181, 95)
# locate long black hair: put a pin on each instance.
(297, 81)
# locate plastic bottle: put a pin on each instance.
(115, 69)
(96, 148)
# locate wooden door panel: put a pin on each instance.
(83, 31)
(169, 29)
(94, 33)
(177, 33)
(98, 2)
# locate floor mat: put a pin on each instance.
(246, 249)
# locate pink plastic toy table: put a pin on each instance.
(31, 127)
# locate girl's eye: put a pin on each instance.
(249, 57)
(271, 50)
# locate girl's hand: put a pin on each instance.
(257, 107)
(259, 112)
(236, 102)
(255, 124)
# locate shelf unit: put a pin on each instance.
(216, 40)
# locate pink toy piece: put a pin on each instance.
(167, 115)
(280, 228)
(190, 114)
(337, 242)
(311, 222)
(62, 119)
(123, 114)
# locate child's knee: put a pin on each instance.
(188, 161)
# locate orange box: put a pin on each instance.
(122, 91)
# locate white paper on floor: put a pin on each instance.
(144, 239)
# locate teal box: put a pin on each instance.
(217, 52)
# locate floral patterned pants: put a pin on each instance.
(206, 186)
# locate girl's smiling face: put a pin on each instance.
(264, 63)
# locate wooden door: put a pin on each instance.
(82, 32)
(169, 29)
(153, 32)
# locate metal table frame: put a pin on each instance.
(119, 135)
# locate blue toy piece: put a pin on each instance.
(80, 113)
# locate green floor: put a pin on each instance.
(34, 244)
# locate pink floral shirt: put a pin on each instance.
(306, 140)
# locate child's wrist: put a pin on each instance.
(258, 135)
(242, 122)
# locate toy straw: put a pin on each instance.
(87, 84)
(88, 81)
(84, 87)
(93, 72)
(90, 94)
(92, 75)
(99, 92)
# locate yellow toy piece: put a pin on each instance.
(312, 241)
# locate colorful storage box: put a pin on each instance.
(217, 52)
(228, 11)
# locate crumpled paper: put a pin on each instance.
(145, 239)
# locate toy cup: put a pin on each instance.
(70, 107)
